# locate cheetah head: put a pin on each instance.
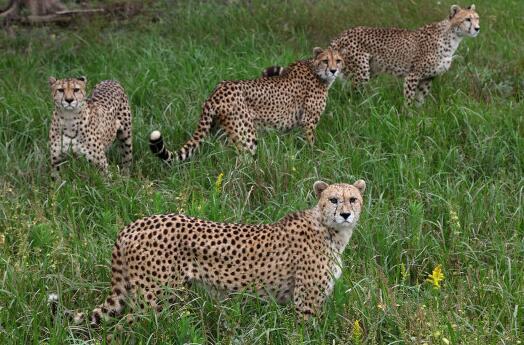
(464, 21)
(340, 204)
(68, 94)
(328, 63)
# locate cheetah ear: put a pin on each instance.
(317, 51)
(472, 7)
(319, 187)
(82, 79)
(361, 186)
(51, 81)
(453, 10)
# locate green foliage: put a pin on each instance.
(445, 185)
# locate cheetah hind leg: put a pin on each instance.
(423, 89)
(116, 302)
(125, 145)
(155, 298)
(243, 134)
(411, 82)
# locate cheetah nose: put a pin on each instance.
(345, 215)
(69, 100)
(477, 29)
(333, 71)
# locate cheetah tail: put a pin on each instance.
(76, 316)
(272, 71)
(156, 142)
(113, 305)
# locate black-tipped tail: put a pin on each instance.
(52, 301)
(273, 71)
(156, 144)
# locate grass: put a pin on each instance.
(445, 186)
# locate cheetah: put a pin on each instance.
(418, 55)
(296, 98)
(296, 259)
(88, 126)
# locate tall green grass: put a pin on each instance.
(445, 185)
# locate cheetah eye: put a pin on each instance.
(468, 19)
(325, 61)
(60, 90)
(76, 90)
(334, 200)
(339, 61)
(352, 200)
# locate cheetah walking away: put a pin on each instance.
(88, 126)
(418, 56)
(296, 259)
(296, 98)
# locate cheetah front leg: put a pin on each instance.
(124, 136)
(423, 89)
(57, 154)
(95, 154)
(309, 129)
(308, 296)
(411, 83)
(314, 108)
(359, 69)
(57, 158)
(125, 142)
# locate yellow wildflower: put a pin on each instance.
(357, 330)
(2, 239)
(436, 277)
(218, 183)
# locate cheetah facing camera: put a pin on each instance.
(418, 55)
(296, 259)
(297, 98)
(88, 126)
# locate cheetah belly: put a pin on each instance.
(397, 65)
(282, 293)
(290, 120)
(263, 283)
(269, 275)
(282, 117)
(279, 121)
